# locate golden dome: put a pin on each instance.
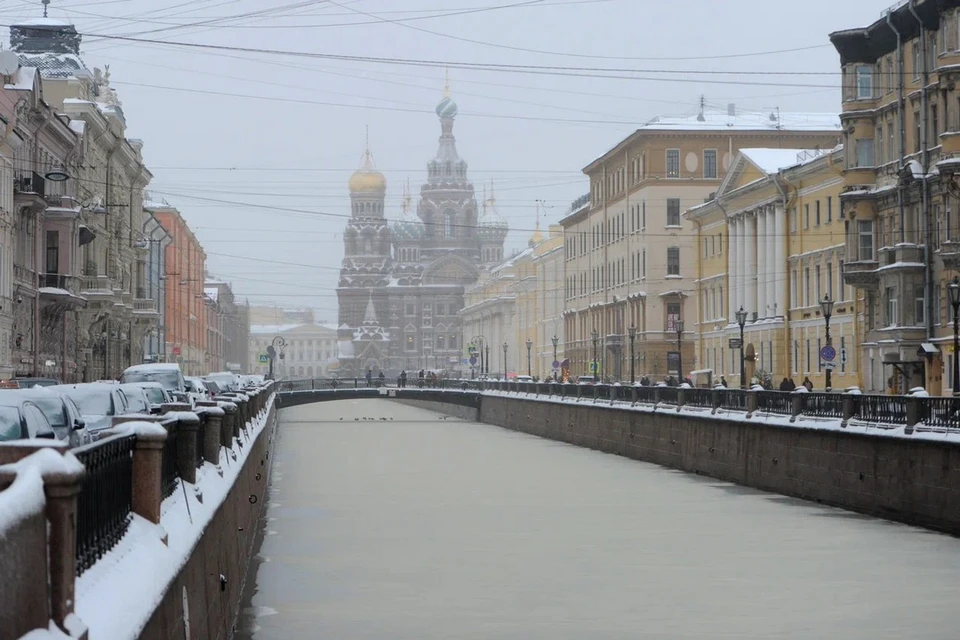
(367, 179)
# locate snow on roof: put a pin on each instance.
(78, 126)
(211, 292)
(772, 160)
(721, 120)
(53, 65)
(153, 366)
(44, 21)
(151, 204)
(22, 79)
(272, 328)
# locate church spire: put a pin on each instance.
(370, 317)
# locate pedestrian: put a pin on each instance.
(723, 382)
(785, 385)
(807, 383)
(403, 379)
(793, 385)
(369, 377)
(382, 379)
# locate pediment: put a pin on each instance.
(451, 269)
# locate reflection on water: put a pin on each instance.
(422, 527)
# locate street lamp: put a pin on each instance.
(742, 320)
(505, 367)
(555, 340)
(680, 350)
(826, 306)
(953, 289)
(632, 330)
(277, 345)
(594, 367)
(529, 368)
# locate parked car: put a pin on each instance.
(523, 379)
(21, 418)
(587, 380)
(166, 373)
(196, 390)
(98, 403)
(225, 380)
(136, 398)
(28, 383)
(63, 414)
(156, 394)
(213, 389)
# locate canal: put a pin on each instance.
(390, 522)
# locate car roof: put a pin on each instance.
(153, 366)
(151, 385)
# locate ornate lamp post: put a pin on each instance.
(594, 365)
(555, 340)
(505, 367)
(742, 320)
(632, 330)
(529, 368)
(826, 306)
(278, 345)
(953, 289)
(680, 351)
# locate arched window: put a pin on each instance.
(448, 219)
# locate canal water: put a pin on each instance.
(390, 522)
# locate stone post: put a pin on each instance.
(188, 425)
(753, 403)
(913, 413)
(228, 426)
(167, 407)
(633, 394)
(62, 487)
(849, 409)
(681, 398)
(717, 397)
(147, 471)
(213, 433)
(797, 402)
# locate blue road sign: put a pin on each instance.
(828, 353)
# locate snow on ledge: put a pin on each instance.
(117, 595)
(21, 500)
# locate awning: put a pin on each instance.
(86, 235)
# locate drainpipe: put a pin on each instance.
(901, 112)
(924, 186)
(786, 240)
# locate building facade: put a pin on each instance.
(630, 257)
(155, 284)
(234, 326)
(402, 286)
(901, 119)
(309, 350)
(772, 242)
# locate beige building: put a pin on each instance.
(772, 243)
(901, 190)
(630, 257)
(309, 350)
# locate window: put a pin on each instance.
(880, 144)
(806, 216)
(673, 261)
(673, 163)
(890, 318)
(643, 219)
(645, 263)
(673, 314)
(53, 251)
(817, 287)
(916, 59)
(719, 243)
(864, 82)
(891, 142)
(710, 163)
(410, 309)
(673, 212)
(793, 289)
(817, 214)
(865, 152)
(841, 292)
(829, 209)
(865, 240)
(919, 306)
(917, 131)
(934, 127)
(806, 287)
(830, 280)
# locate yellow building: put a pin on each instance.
(771, 242)
(630, 258)
(901, 123)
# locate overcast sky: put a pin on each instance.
(255, 148)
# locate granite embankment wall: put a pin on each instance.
(915, 481)
(198, 598)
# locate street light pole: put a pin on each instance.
(742, 320)
(529, 368)
(633, 336)
(826, 306)
(594, 366)
(555, 340)
(505, 367)
(954, 290)
(680, 351)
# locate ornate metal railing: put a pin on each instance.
(169, 473)
(733, 399)
(823, 405)
(884, 410)
(104, 503)
(941, 413)
(779, 402)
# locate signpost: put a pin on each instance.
(735, 343)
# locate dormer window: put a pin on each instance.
(864, 82)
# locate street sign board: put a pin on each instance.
(594, 367)
(828, 353)
(263, 358)
(843, 356)
(735, 343)
(473, 360)
(556, 364)
(829, 365)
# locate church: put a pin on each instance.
(402, 285)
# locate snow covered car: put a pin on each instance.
(63, 414)
(20, 418)
(167, 374)
(98, 403)
(156, 394)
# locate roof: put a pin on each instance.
(716, 120)
(43, 21)
(53, 65)
(772, 160)
(211, 292)
(273, 329)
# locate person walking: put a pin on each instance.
(403, 379)
(807, 383)
(369, 377)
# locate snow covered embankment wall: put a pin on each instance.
(897, 478)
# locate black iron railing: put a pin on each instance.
(888, 410)
(668, 395)
(779, 402)
(169, 472)
(941, 413)
(698, 397)
(823, 405)
(104, 503)
(733, 399)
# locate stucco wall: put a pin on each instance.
(911, 481)
(224, 549)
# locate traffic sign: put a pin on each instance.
(556, 364)
(735, 343)
(843, 355)
(263, 358)
(593, 367)
(828, 365)
(828, 353)
(473, 360)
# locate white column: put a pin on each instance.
(733, 262)
(762, 264)
(750, 272)
(776, 273)
(780, 251)
(741, 261)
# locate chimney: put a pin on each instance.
(732, 109)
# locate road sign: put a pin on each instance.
(828, 353)
(556, 364)
(828, 365)
(843, 355)
(735, 343)
(264, 359)
(473, 360)
(594, 367)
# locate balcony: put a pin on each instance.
(98, 291)
(56, 281)
(950, 254)
(56, 292)
(862, 274)
(145, 309)
(28, 191)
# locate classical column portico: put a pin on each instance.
(763, 266)
(776, 271)
(750, 263)
(733, 266)
(780, 251)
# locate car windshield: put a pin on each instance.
(154, 394)
(169, 379)
(9, 423)
(52, 408)
(136, 401)
(93, 402)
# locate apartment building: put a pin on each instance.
(772, 242)
(630, 258)
(901, 127)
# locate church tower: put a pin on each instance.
(366, 266)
